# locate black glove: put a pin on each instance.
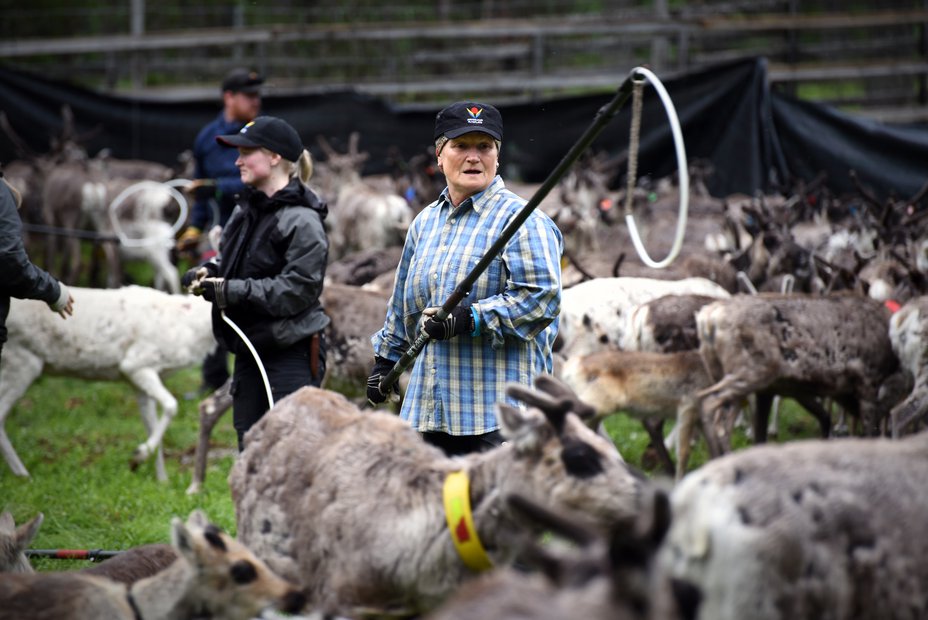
(211, 269)
(460, 321)
(214, 290)
(382, 366)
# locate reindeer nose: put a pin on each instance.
(293, 602)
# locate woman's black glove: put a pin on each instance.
(206, 270)
(460, 321)
(382, 366)
(214, 290)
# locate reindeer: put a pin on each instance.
(363, 217)
(356, 313)
(908, 333)
(836, 346)
(132, 334)
(614, 576)
(378, 537)
(651, 387)
(213, 576)
(805, 530)
(14, 541)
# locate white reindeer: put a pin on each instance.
(133, 334)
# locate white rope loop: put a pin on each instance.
(141, 186)
(683, 174)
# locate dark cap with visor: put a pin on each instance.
(467, 116)
(243, 81)
(268, 132)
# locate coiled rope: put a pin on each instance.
(639, 76)
(148, 185)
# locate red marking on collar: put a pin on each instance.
(461, 532)
(893, 305)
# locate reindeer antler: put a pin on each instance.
(19, 145)
(555, 410)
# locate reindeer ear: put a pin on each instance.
(197, 519)
(25, 533)
(524, 428)
(7, 525)
(182, 540)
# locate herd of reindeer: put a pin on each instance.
(796, 293)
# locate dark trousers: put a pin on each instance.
(453, 445)
(287, 371)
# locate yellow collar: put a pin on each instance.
(456, 496)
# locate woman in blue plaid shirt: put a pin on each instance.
(504, 329)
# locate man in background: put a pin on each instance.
(216, 182)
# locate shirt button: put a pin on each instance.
(435, 276)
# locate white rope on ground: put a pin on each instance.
(682, 168)
(144, 185)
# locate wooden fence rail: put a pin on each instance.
(857, 59)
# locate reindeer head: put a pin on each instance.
(14, 541)
(229, 580)
(560, 460)
(624, 560)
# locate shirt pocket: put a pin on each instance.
(491, 282)
(416, 293)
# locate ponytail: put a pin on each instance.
(304, 166)
(17, 197)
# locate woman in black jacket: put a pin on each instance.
(268, 276)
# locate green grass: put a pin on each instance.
(76, 438)
(632, 440)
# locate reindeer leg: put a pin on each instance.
(655, 430)
(762, 404)
(147, 381)
(113, 265)
(211, 409)
(815, 407)
(150, 419)
(687, 415)
(908, 411)
(18, 370)
(718, 410)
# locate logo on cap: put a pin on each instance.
(475, 113)
(245, 128)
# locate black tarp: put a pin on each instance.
(752, 138)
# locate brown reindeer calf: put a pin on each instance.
(651, 387)
(214, 576)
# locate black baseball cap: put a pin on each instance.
(466, 116)
(270, 132)
(243, 81)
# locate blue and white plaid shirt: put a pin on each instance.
(456, 383)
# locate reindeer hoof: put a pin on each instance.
(194, 488)
(141, 454)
